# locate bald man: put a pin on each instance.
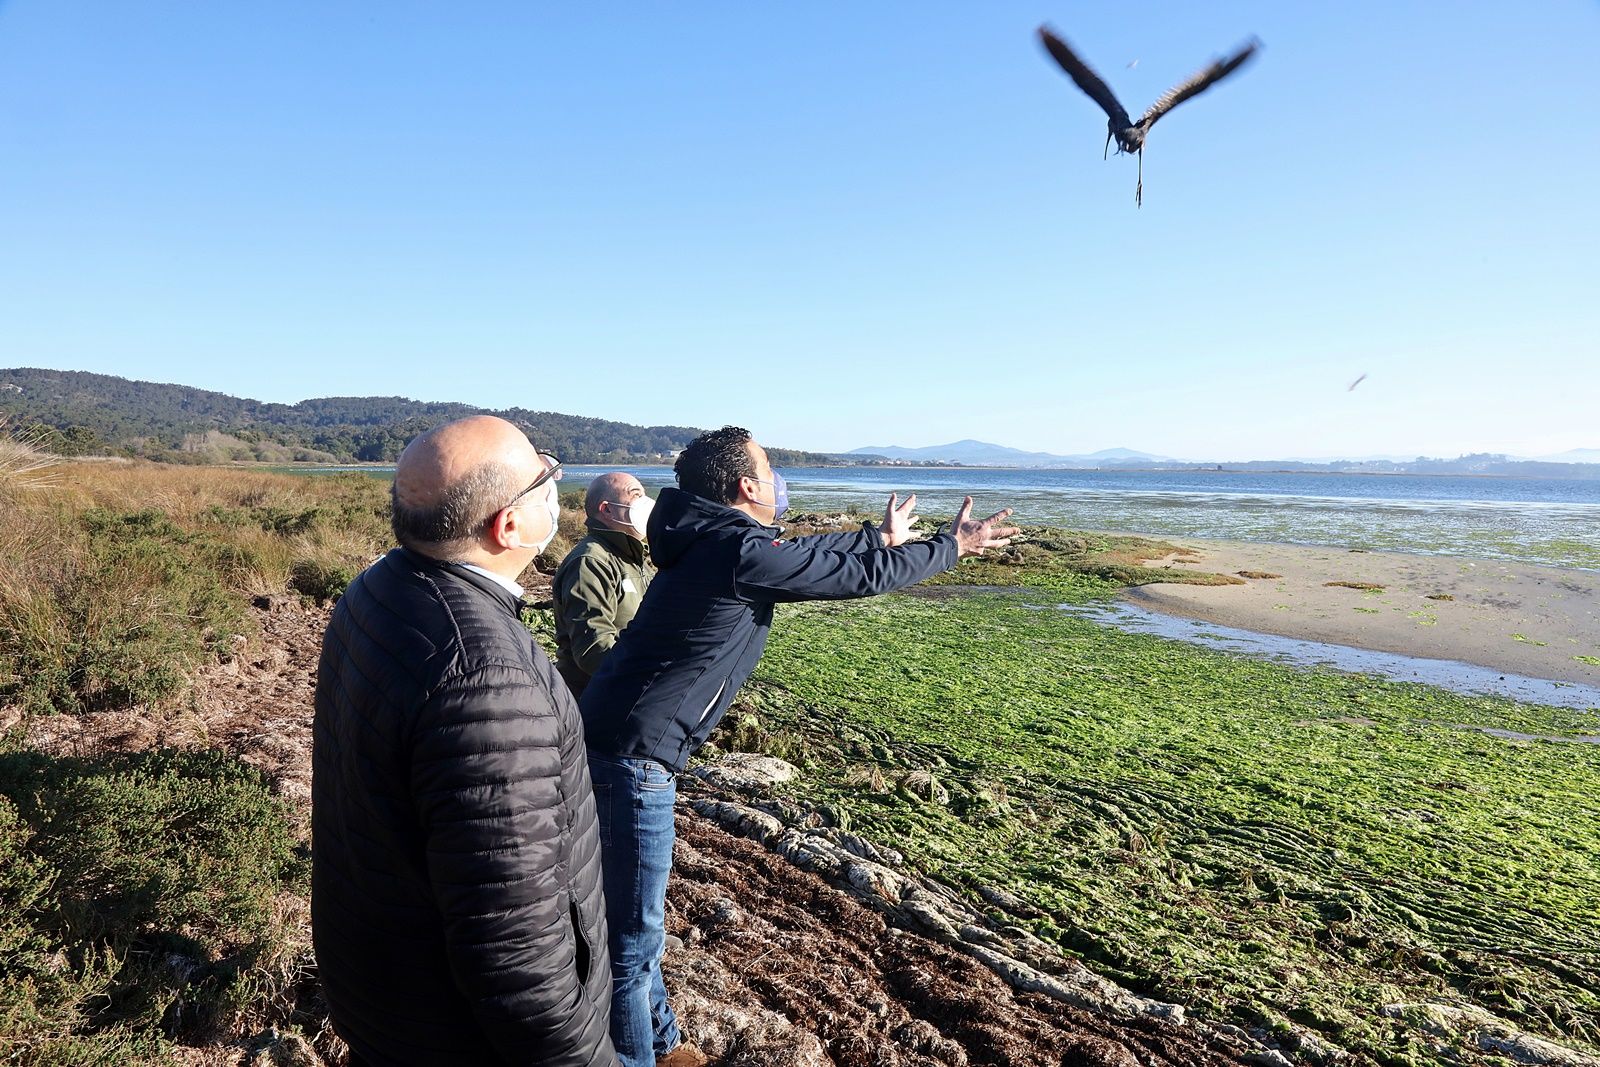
(599, 584)
(456, 903)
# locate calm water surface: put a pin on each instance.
(1531, 520)
(1446, 674)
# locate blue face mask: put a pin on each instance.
(780, 495)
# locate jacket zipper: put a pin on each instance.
(706, 714)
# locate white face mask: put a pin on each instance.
(554, 508)
(638, 514)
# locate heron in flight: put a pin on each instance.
(1130, 135)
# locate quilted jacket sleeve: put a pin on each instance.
(486, 781)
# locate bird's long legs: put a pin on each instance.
(1138, 190)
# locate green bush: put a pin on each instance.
(137, 897)
(320, 579)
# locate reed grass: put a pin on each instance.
(121, 578)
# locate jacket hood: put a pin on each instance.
(679, 519)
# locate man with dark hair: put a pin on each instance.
(599, 584)
(713, 463)
(456, 904)
(673, 673)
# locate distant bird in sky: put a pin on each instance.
(1355, 383)
(1130, 135)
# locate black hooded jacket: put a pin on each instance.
(704, 620)
(456, 905)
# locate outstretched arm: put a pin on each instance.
(784, 571)
(898, 518)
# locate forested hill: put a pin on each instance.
(77, 413)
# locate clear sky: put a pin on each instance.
(836, 224)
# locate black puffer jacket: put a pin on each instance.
(455, 903)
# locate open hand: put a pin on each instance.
(974, 535)
(897, 520)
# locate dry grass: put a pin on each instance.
(119, 579)
(1371, 587)
(24, 464)
(1258, 574)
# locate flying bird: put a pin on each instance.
(1130, 135)
(1355, 383)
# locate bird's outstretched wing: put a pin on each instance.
(1087, 79)
(1199, 83)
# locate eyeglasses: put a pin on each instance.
(551, 471)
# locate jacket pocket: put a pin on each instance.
(582, 954)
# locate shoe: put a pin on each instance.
(685, 1055)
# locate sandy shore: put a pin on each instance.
(1514, 617)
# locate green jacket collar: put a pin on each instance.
(620, 544)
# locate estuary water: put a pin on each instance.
(1530, 520)
(1445, 674)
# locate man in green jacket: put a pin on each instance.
(598, 586)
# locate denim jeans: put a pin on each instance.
(634, 799)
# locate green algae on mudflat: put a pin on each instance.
(1044, 557)
(1262, 843)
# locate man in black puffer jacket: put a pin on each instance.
(456, 887)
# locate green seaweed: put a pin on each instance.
(1256, 841)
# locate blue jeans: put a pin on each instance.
(634, 799)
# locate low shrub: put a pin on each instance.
(138, 901)
(115, 611)
(320, 579)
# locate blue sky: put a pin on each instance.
(837, 224)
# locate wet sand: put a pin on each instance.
(1520, 618)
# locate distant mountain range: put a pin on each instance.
(1576, 463)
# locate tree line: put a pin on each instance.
(77, 413)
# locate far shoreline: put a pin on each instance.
(355, 465)
(1526, 619)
